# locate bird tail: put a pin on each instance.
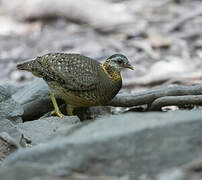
(32, 66)
(27, 66)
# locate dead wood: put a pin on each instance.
(175, 100)
(148, 97)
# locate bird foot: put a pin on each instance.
(69, 110)
(58, 113)
(57, 110)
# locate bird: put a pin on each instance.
(77, 79)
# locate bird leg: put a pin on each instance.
(57, 110)
(70, 110)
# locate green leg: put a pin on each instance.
(70, 110)
(57, 110)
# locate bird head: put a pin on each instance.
(118, 62)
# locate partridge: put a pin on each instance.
(79, 80)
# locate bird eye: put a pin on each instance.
(119, 61)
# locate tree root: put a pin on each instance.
(175, 100)
(157, 98)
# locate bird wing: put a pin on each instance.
(70, 71)
(83, 81)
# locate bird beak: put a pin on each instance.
(129, 66)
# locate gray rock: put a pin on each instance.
(9, 109)
(4, 95)
(23, 171)
(8, 127)
(31, 171)
(41, 130)
(10, 88)
(10, 138)
(31, 91)
(7, 145)
(190, 171)
(177, 174)
(133, 144)
(35, 99)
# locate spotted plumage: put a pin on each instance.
(79, 80)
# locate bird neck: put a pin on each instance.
(111, 72)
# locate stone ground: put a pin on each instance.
(162, 39)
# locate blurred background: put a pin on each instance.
(161, 38)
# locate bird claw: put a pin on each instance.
(58, 113)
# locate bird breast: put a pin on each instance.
(108, 87)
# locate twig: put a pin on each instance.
(147, 97)
(175, 100)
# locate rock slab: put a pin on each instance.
(133, 144)
(42, 130)
(34, 98)
(9, 108)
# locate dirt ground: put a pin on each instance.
(161, 38)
